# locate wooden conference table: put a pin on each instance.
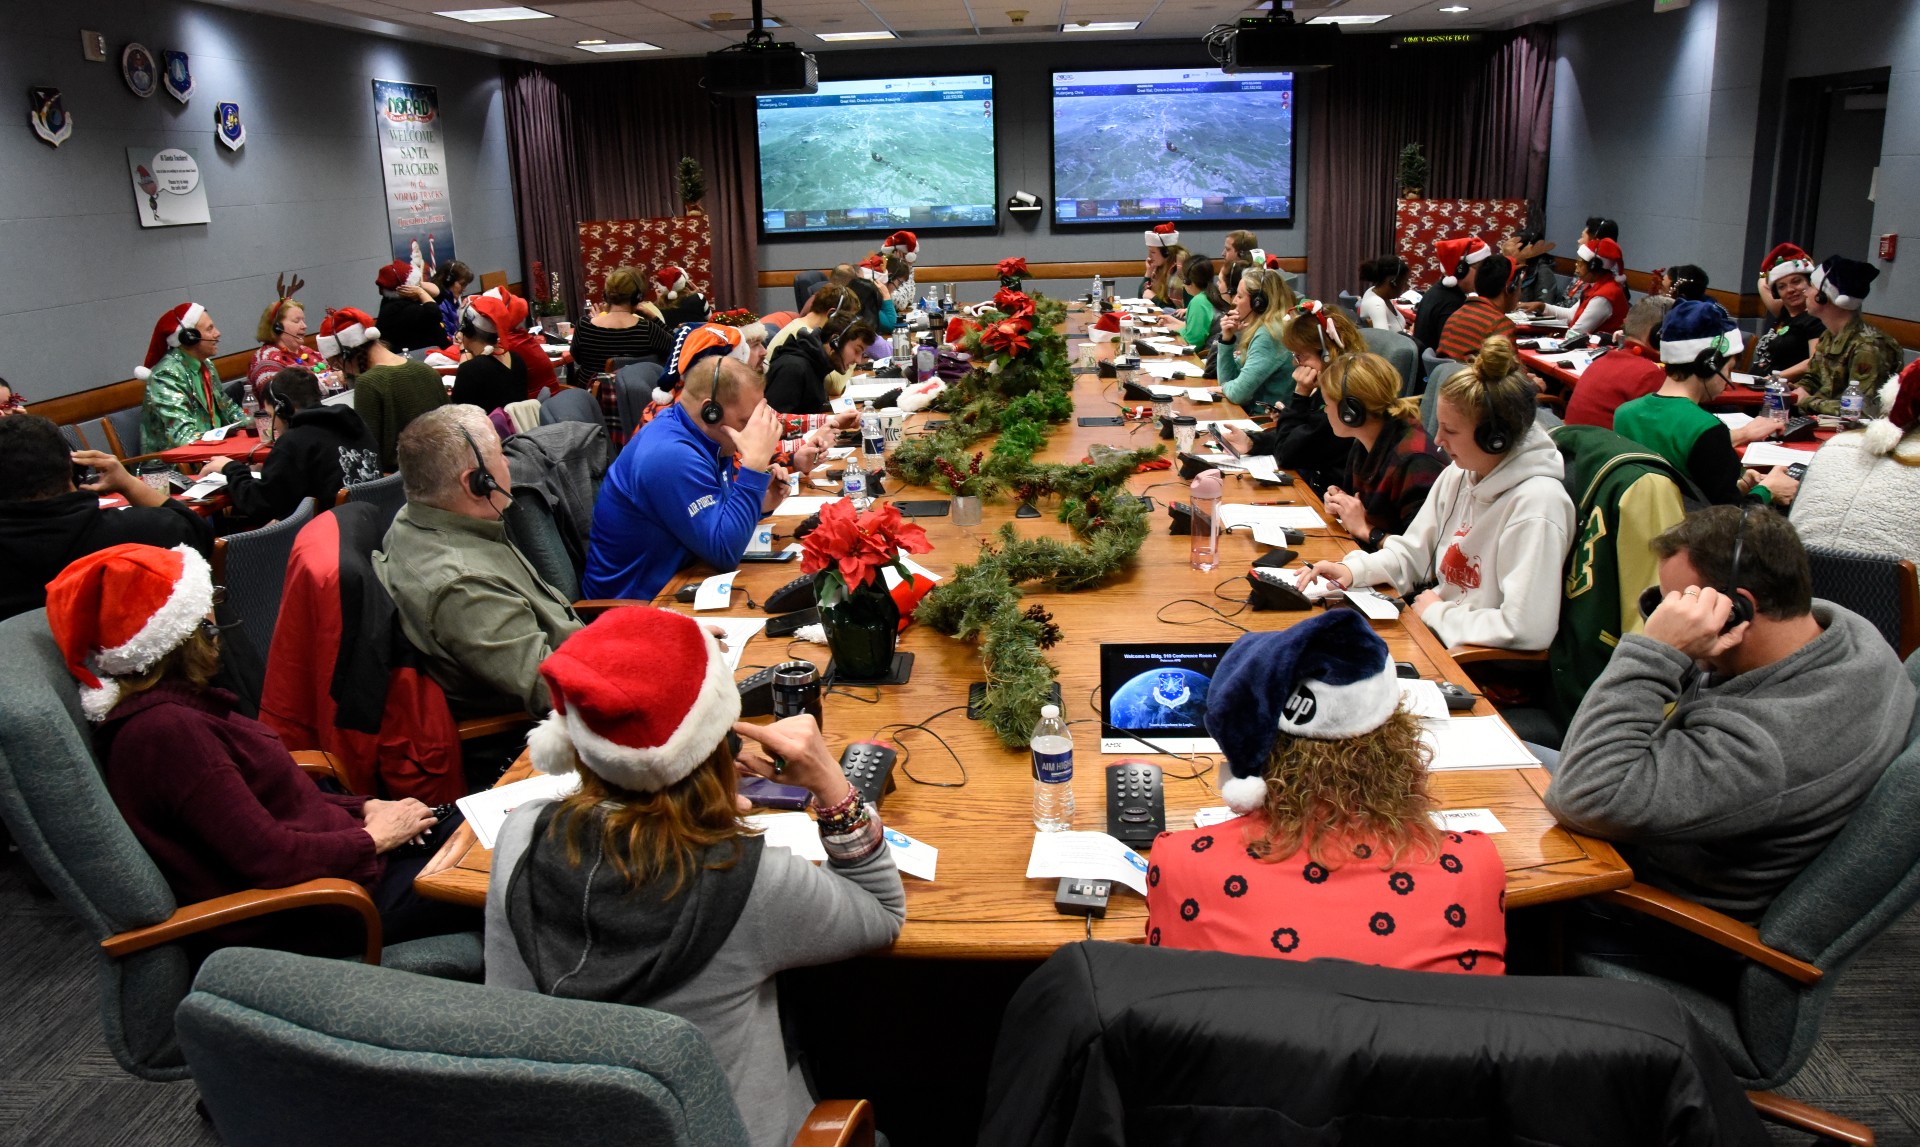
(981, 905)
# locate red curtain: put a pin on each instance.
(1482, 113)
(604, 141)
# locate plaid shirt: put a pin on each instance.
(1392, 480)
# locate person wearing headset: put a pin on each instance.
(1601, 308)
(1699, 343)
(183, 398)
(316, 450)
(1256, 369)
(490, 375)
(691, 486)
(827, 304)
(1314, 336)
(282, 334)
(797, 372)
(1725, 745)
(465, 597)
(389, 390)
(1495, 529)
(1392, 466)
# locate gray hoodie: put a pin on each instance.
(1727, 798)
(1495, 546)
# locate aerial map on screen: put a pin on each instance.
(1172, 143)
(868, 154)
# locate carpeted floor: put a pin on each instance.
(59, 1085)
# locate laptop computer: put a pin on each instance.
(1154, 696)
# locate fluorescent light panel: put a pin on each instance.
(1348, 19)
(636, 46)
(1102, 26)
(1454, 9)
(838, 36)
(492, 15)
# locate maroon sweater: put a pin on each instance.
(218, 802)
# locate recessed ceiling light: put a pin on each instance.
(854, 35)
(1454, 9)
(1348, 19)
(1102, 26)
(490, 15)
(601, 46)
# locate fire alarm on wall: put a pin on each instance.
(1888, 243)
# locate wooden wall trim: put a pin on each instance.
(989, 272)
(1748, 306)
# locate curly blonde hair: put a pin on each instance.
(1326, 796)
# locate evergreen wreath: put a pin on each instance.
(1020, 388)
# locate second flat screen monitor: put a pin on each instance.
(1172, 144)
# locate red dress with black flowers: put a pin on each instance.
(1205, 890)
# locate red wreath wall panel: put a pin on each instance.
(1420, 223)
(647, 244)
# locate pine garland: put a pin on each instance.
(1021, 397)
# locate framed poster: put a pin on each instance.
(413, 151)
(167, 188)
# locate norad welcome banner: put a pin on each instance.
(413, 161)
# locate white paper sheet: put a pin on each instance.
(916, 858)
(1292, 517)
(715, 592)
(1090, 854)
(800, 507)
(740, 630)
(1167, 368)
(1467, 820)
(1205, 425)
(1376, 608)
(866, 391)
(1734, 419)
(210, 484)
(1218, 814)
(1423, 699)
(1746, 379)
(794, 831)
(1774, 454)
(893, 577)
(487, 810)
(1475, 743)
(762, 540)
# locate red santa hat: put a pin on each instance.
(641, 698)
(393, 276)
(1457, 254)
(1784, 260)
(904, 244)
(343, 330)
(183, 317)
(487, 315)
(1163, 235)
(514, 308)
(118, 611)
(1900, 399)
(872, 267)
(670, 281)
(1607, 254)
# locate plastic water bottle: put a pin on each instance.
(1777, 400)
(1099, 290)
(262, 417)
(873, 435)
(1052, 772)
(1853, 404)
(926, 360)
(946, 298)
(854, 483)
(1203, 543)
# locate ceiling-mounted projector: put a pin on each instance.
(1278, 44)
(760, 67)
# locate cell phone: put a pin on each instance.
(769, 556)
(1099, 420)
(1797, 471)
(763, 793)
(83, 476)
(1220, 436)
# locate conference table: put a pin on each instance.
(1566, 368)
(981, 904)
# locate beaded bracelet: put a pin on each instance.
(844, 823)
(840, 811)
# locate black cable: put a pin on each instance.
(1159, 615)
(906, 753)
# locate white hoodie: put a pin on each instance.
(1495, 545)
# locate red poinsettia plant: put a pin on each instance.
(854, 545)
(1006, 338)
(1012, 271)
(1013, 304)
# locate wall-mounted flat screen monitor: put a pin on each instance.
(876, 155)
(1173, 144)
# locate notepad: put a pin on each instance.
(487, 810)
(740, 630)
(1290, 517)
(1461, 743)
(866, 391)
(800, 507)
(1773, 454)
(1734, 420)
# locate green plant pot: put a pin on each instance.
(863, 628)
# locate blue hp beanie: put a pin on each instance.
(1328, 677)
(1696, 327)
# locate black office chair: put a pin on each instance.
(805, 283)
(1879, 587)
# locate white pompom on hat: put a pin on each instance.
(905, 244)
(118, 611)
(1900, 411)
(670, 281)
(641, 698)
(1844, 281)
(343, 330)
(179, 319)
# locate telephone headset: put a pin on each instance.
(1742, 611)
(190, 335)
(479, 482)
(711, 412)
(1352, 411)
(470, 328)
(1256, 296)
(1491, 435)
(279, 316)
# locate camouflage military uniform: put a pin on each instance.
(1861, 353)
(177, 407)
